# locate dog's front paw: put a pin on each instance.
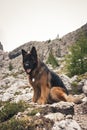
(41, 101)
(34, 99)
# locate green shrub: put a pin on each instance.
(77, 59)
(13, 125)
(49, 40)
(74, 88)
(10, 66)
(10, 109)
(74, 84)
(52, 60)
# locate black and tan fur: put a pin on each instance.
(47, 86)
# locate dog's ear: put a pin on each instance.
(23, 52)
(33, 52)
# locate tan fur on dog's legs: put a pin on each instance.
(36, 94)
(44, 95)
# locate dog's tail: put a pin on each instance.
(71, 98)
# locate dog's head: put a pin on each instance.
(29, 60)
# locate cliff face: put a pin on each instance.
(58, 46)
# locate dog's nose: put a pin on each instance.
(26, 64)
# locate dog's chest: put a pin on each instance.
(33, 81)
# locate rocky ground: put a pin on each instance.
(14, 87)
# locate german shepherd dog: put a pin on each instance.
(47, 86)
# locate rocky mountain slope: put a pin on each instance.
(59, 46)
(14, 87)
(18, 112)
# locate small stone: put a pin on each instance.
(38, 114)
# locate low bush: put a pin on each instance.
(13, 125)
(10, 66)
(10, 109)
(52, 60)
(76, 60)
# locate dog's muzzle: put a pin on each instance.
(27, 68)
(28, 71)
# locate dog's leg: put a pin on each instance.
(45, 88)
(36, 94)
(44, 95)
